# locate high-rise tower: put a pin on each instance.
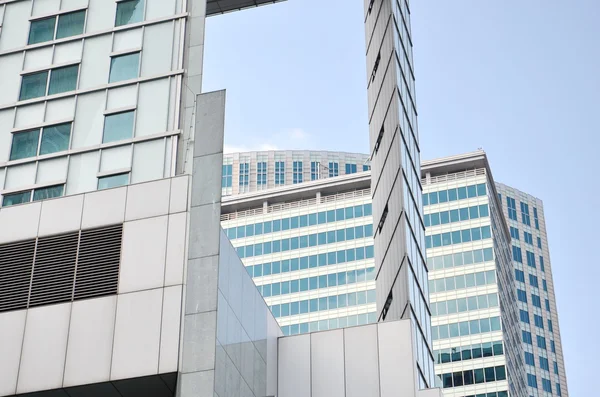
(401, 273)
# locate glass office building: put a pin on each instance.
(536, 300)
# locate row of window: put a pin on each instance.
(492, 394)
(462, 281)
(541, 341)
(544, 364)
(295, 222)
(460, 259)
(325, 303)
(23, 197)
(72, 23)
(546, 384)
(312, 261)
(468, 352)
(462, 305)
(317, 282)
(461, 193)
(474, 376)
(465, 328)
(64, 79)
(308, 240)
(458, 237)
(324, 325)
(457, 215)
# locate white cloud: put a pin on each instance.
(289, 139)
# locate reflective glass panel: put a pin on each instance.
(70, 24)
(41, 30)
(55, 138)
(16, 198)
(130, 11)
(24, 144)
(119, 126)
(124, 67)
(33, 85)
(48, 192)
(63, 79)
(108, 182)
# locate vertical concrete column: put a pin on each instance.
(197, 350)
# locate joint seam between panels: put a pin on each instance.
(383, 80)
(372, 33)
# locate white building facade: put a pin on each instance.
(538, 313)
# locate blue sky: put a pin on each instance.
(520, 79)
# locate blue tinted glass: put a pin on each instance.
(119, 126)
(331, 216)
(443, 196)
(444, 217)
(462, 193)
(108, 182)
(276, 225)
(285, 224)
(433, 198)
(33, 85)
(295, 222)
(339, 214)
(322, 217)
(452, 195)
(70, 24)
(474, 212)
(24, 144)
(48, 193)
(472, 191)
(312, 219)
(464, 214)
(63, 79)
(124, 67)
(368, 209)
(41, 30)
(130, 11)
(16, 198)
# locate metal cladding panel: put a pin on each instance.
(216, 7)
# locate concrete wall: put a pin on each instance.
(369, 361)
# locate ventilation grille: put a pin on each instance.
(60, 269)
(16, 262)
(54, 270)
(98, 263)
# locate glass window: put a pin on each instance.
(124, 67)
(41, 30)
(16, 198)
(55, 138)
(70, 24)
(130, 11)
(48, 192)
(107, 182)
(63, 79)
(33, 85)
(462, 193)
(118, 126)
(24, 144)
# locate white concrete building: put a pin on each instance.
(115, 276)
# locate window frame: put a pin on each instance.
(49, 71)
(56, 17)
(116, 112)
(32, 192)
(113, 174)
(41, 130)
(143, 17)
(121, 54)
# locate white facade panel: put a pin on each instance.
(294, 366)
(147, 164)
(158, 46)
(96, 61)
(45, 7)
(39, 58)
(60, 110)
(362, 362)
(395, 346)
(52, 170)
(115, 158)
(20, 176)
(72, 4)
(153, 107)
(44, 348)
(23, 220)
(179, 194)
(14, 35)
(137, 334)
(122, 97)
(127, 40)
(143, 254)
(106, 207)
(61, 215)
(327, 364)
(12, 329)
(7, 118)
(10, 66)
(82, 173)
(169, 336)
(89, 120)
(159, 8)
(68, 52)
(29, 115)
(138, 205)
(175, 249)
(101, 15)
(90, 344)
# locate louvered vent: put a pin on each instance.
(16, 261)
(60, 269)
(54, 270)
(98, 262)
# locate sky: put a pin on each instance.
(520, 79)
